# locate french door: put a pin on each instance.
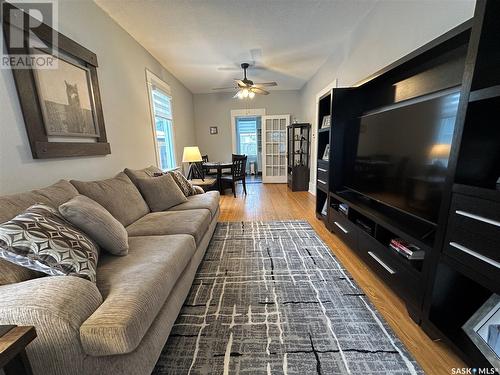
(274, 148)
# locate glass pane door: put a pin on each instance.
(275, 148)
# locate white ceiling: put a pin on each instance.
(199, 41)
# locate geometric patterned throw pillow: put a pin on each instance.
(40, 239)
(184, 184)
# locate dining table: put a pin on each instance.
(219, 167)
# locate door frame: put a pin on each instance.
(257, 112)
(265, 177)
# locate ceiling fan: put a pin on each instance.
(247, 88)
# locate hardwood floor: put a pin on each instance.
(268, 202)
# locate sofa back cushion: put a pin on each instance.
(135, 174)
(118, 195)
(54, 196)
(12, 205)
(161, 192)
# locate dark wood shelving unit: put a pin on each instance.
(461, 266)
(435, 67)
(323, 166)
(298, 171)
(466, 270)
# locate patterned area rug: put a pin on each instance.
(270, 298)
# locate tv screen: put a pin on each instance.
(402, 154)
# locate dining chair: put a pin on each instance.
(238, 173)
(207, 170)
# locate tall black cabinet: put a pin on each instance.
(299, 141)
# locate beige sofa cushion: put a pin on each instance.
(118, 195)
(12, 205)
(92, 218)
(134, 289)
(135, 174)
(209, 200)
(11, 273)
(160, 192)
(54, 195)
(192, 222)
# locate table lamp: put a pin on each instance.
(192, 155)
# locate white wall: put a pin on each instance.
(390, 31)
(122, 64)
(215, 110)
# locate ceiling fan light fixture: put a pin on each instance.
(251, 94)
(246, 93)
(240, 94)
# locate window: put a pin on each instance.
(161, 108)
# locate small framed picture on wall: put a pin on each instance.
(214, 130)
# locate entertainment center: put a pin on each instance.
(410, 182)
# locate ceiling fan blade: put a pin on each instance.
(240, 83)
(224, 88)
(259, 91)
(265, 84)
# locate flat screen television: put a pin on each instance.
(402, 154)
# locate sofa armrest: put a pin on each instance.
(57, 306)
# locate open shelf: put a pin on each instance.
(486, 93)
(368, 221)
(449, 311)
(403, 225)
(479, 156)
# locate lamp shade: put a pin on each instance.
(191, 154)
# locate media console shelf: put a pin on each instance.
(368, 230)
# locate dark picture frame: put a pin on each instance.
(483, 328)
(43, 142)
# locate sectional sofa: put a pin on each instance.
(119, 324)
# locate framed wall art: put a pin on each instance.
(61, 106)
(483, 328)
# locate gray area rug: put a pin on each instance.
(271, 298)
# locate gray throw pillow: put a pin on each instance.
(41, 240)
(161, 192)
(135, 174)
(97, 222)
